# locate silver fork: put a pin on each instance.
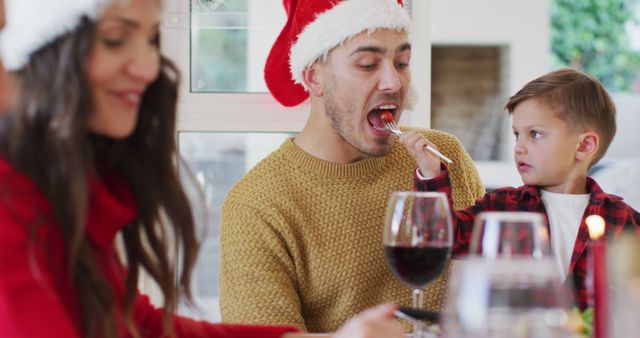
(395, 130)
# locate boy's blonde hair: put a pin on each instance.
(577, 98)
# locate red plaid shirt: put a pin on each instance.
(617, 214)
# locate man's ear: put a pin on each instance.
(588, 146)
(312, 78)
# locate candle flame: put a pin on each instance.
(595, 224)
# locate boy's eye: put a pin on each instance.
(536, 134)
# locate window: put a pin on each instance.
(230, 41)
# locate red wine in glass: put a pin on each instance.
(417, 266)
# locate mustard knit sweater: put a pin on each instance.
(301, 238)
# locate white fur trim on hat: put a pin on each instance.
(31, 24)
(343, 21)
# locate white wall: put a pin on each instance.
(626, 143)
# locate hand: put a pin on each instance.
(377, 322)
(415, 143)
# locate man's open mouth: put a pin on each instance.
(375, 116)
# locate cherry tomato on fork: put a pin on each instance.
(386, 116)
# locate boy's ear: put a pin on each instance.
(588, 146)
(312, 79)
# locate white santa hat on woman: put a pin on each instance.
(313, 28)
(32, 24)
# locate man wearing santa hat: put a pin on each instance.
(301, 234)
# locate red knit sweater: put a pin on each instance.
(37, 297)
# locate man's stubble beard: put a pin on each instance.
(336, 115)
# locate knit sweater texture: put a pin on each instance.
(301, 238)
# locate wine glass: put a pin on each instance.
(417, 240)
(507, 298)
(509, 234)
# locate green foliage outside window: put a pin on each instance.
(218, 64)
(591, 35)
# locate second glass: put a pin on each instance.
(499, 235)
(507, 298)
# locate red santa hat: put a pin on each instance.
(313, 28)
(31, 24)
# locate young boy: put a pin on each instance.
(563, 122)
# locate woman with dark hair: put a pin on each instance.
(7, 326)
(86, 152)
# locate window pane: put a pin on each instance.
(217, 160)
(230, 41)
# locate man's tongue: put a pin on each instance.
(375, 119)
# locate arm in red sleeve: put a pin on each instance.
(463, 220)
(7, 322)
(30, 301)
(149, 321)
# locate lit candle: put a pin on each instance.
(596, 225)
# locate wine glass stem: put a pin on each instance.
(418, 325)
